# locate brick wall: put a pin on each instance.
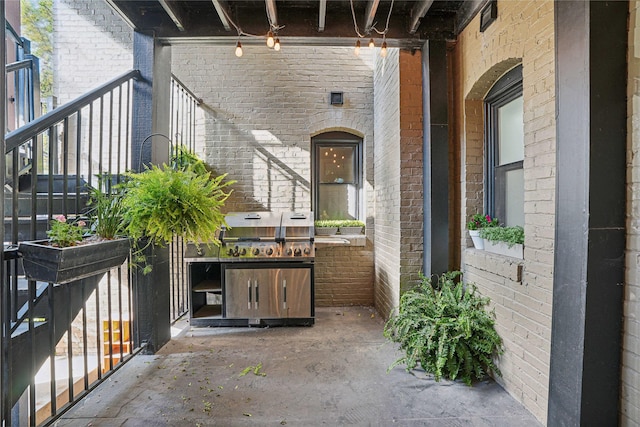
(259, 114)
(523, 33)
(630, 391)
(387, 175)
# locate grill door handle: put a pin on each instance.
(284, 292)
(249, 287)
(257, 295)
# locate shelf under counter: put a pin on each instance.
(209, 311)
(208, 285)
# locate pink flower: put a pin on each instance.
(488, 218)
(61, 218)
(82, 224)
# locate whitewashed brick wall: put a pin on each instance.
(630, 391)
(523, 33)
(259, 114)
(387, 176)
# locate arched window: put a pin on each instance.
(504, 139)
(337, 175)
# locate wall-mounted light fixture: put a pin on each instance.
(488, 14)
(336, 98)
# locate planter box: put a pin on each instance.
(501, 248)
(326, 231)
(478, 242)
(351, 230)
(46, 263)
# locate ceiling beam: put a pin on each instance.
(417, 13)
(222, 8)
(370, 14)
(322, 15)
(173, 12)
(272, 12)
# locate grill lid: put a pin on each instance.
(251, 226)
(297, 226)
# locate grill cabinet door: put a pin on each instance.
(296, 291)
(239, 293)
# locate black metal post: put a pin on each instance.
(4, 316)
(150, 116)
(591, 79)
(435, 157)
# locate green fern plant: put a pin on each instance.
(163, 202)
(446, 328)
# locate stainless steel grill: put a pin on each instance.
(261, 236)
(261, 275)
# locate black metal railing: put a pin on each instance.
(61, 341)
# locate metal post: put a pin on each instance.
(4, 318)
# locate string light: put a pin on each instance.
(356, 51)
(276, 46)
(270, 41)
(239, 49)
(371, 43)
(383, 50)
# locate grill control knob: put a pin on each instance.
(307, 250)
(230, 252)
(270, 251)
(297, 252)
(256, 251)
(289, 251)
(243, 251)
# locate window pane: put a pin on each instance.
(514, 197)
(337, 165)
(511, 132)
(337, 201)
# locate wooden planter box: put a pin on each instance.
(501, 248)
(46, 263)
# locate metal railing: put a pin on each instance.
(61, 341)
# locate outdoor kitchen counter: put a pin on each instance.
(337, 240)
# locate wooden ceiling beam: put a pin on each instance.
(370, 14)
(174, 13)
(272, 12)
(222, 8)
(322, 15)
(417, 13)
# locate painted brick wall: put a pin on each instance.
(523, 33)
(630, 391)
(387, 175)
(92, 46)
(259, 114)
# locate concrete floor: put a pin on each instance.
(333, 373)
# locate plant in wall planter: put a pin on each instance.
(76, 250)
(350, 226)
(446, 328)
(326, 227)
(477, 223)
(507, 241)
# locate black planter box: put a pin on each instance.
(46, 263)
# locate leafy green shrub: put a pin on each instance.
(446, 329)
(508, 235)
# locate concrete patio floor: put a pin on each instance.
(333, 373)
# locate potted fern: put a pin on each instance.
(446, 329)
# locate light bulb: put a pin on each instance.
(356, 51)
(238, 49)
(371, 43)
(276, 46)
(270, 41)
(383, 50)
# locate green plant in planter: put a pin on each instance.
(327, 223)
(107, 210)
(480, 221)
(350, 223)
(509, 235)
(446, 329)
(162, 202)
